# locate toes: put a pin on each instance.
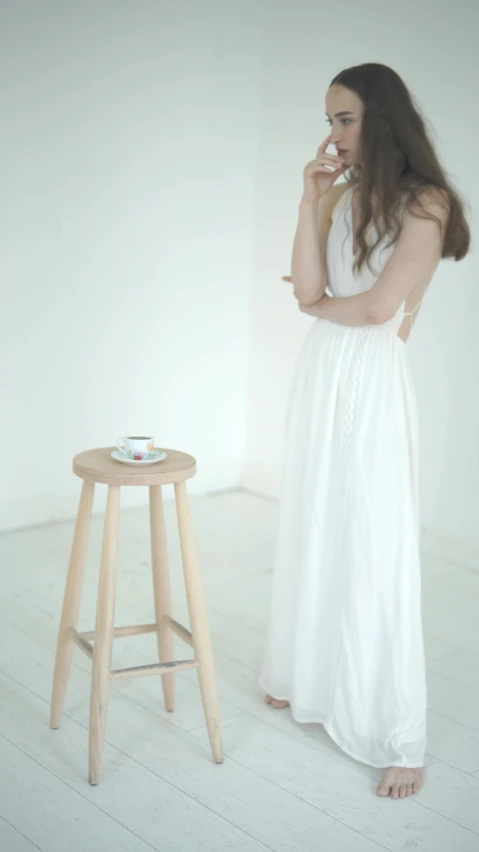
(382, 790)
(416, 787)
(395, 792)
(275, 702)
(402, 791)
(384, 786)
(409, 789)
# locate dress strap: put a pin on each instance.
(411, 313)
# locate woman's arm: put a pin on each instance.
(308, 267)
(413, 262)
(309, 273)
(344, 310)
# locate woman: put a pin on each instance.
(345, 645)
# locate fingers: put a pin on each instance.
(321, 152)
(325, 163)
(324, 145)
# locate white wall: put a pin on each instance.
(128, 161)
(306, 45)
(151, 159)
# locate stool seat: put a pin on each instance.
(99, 466)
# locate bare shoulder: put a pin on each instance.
(434, 202)
(430, 194)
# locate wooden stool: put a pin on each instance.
(98, 466)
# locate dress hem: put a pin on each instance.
(335, 739)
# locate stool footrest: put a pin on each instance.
(81, 642)
(137, 629)
(154, 668)
(180, 631)
(133, 630)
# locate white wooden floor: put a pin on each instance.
(283, 786)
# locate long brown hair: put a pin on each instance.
(396, 160)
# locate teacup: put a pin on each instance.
(136, 447)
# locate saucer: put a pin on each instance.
(152, 458)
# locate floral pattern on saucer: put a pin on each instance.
(153, 457)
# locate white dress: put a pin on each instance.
(345, 644)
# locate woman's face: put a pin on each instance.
(344, 111)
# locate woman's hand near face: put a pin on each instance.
(320, 174)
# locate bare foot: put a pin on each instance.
(275, 702)
(398, 782)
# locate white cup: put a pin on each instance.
(136, 447)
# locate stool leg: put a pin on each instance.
(161, 591)
(102, 645)
(71, 603)
(199, 621)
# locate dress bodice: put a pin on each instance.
(342, 280)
